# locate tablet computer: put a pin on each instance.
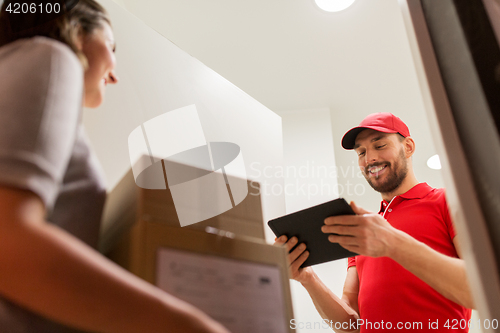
(306, 226)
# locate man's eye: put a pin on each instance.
(361, 154)
(381, 146)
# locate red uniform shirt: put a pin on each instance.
(390, 295)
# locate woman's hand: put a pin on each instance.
(296, 258)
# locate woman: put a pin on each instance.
(50, 277)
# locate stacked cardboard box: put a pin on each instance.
(125, 236)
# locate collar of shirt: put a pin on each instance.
(416, 192)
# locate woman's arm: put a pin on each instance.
(56, 275)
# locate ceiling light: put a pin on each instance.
(434, 163)
(334, 5)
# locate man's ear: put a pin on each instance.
(409, 146)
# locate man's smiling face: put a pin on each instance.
(382, 160)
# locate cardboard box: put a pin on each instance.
(130, 210)
(141, 226)
(241, 282)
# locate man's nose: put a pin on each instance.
(370, 157)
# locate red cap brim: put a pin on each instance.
(349, 139)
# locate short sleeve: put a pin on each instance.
(40, 104)
(447, 219)
(446, 215)
(351, 261)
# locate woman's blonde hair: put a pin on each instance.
(76, 17)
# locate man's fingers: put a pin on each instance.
(299, 261)
(343, 240)
(280, 240)
(348, 219)
(347, 242)
(296, 252)
(352, 248)
(340, 230)
(291, 243)
(343, 219)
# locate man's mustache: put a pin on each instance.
(376, 164)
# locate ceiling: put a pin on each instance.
(289, 55)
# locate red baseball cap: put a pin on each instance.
(383, 122)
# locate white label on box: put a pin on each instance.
(243, 296)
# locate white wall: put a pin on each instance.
(310, 179)
(309, 160)
(157, 77)
(372, 74)
(311, 141)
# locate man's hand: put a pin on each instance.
(296, 258)
(329, 305)
(365, 233)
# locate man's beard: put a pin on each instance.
(398, 173)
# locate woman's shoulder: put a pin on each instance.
(37, 43)
(37, 65)
(40, 77)
(39, 53)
